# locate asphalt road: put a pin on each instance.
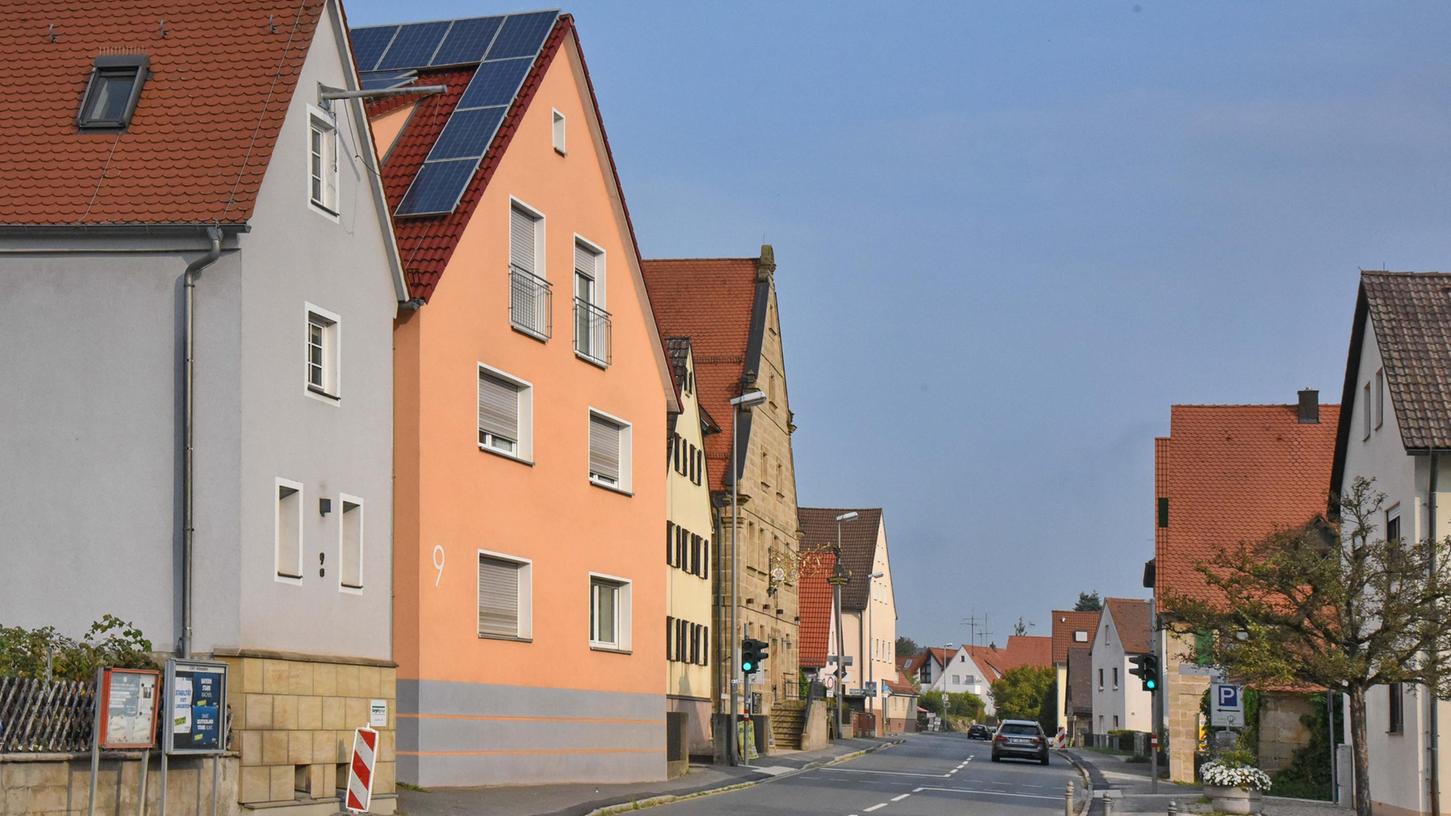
(928, 775)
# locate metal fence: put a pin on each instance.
(530, 303)
(39, 716)
(591, 332)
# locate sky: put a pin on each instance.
(1010, 235)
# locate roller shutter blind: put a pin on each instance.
(604, 449)
(498, 407)
(498, 597)
(523, 231)
(585, 261)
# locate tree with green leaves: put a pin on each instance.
(1088, 602)
(1025, 693)
(1021, 627)
(1335, 605)
(906, 647)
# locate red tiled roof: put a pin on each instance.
(1131, 619)
(902, 685)
(710, 301)
(858, 545)
(202, 134)
(814, 595)
(1021, 650)
(1065, 623)
(1232, 474)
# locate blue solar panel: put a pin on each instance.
(437, 187)
(522, 35)
(467, 41)
(495, 83)
(369, 43)
(372, 80)
(467, 134)
(414, 46)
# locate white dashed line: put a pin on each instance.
(900, 798)
(877, 806)
(893, 773)
(996, 793)
(918, 790)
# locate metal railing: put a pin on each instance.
(45, 716)
(591, 332)
(530, 303)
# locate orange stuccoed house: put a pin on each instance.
(532, 393)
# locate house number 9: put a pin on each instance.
(438, 562)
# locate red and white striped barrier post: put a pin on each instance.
(360, 770)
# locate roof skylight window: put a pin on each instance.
(111, 94)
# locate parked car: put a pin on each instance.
(979, 731)
(1023, 739)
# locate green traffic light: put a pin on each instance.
(748, 665)
(1151, 684)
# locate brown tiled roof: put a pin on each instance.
(1411, 313)
(1080, 681)
(1065, 623)
(710, 301)
(1232, 474)
(221, 79)
(814, 595)
(1132, 620)
(858, 545)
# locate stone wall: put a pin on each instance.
(293, 719)
(59, 785)
(1185, 693)
(1281, 732)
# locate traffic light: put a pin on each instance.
(1146, 668)
(753, 654)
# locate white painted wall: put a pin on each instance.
(1119, 700)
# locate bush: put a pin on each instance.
(38, 653)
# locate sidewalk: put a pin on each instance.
(581, 799)
(1130, 786)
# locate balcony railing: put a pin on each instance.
(530, 303)
(591, 332)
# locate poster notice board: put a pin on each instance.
(128, 708)
(196, 707)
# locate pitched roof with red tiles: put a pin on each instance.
(902, 687)
(1132, 619)
(711, 301)
(858, 545)
(220, 81)
(814, 595)
(1065, 623)
(1233, 474)
(1021, 650)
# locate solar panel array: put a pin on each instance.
(504, 48)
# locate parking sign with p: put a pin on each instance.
(1227, 709)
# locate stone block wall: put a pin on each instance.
(1281, 732)
(1185, 693)
(293, 721)
(59, 785)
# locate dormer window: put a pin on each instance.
(111, 95)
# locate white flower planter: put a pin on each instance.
(1234, 800)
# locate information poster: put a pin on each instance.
(196, 706)
(128, 708)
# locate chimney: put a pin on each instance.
(1309, 406)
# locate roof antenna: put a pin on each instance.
(271, 24)
(50, 32)
(163, 29)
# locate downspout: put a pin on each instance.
(1433, 698)
(188, 470)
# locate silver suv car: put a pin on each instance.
(1020, 738)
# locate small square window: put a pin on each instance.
(505, 413)
(609, 452)
(322, 160)
(505, 596)
(112, 92)
(323, 338)
(558, 130)
(609, 613)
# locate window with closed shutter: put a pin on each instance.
(604, 450)
(498, 413)
(705, 558)
(498, 597)
(669, 637)
(670, 543)
(523, 239)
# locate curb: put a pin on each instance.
(668, 798)
(1087, 783)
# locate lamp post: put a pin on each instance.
(947, 658)
(872, 638)
(837, 580)
(749, 399)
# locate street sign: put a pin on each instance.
(195, 702)
(1226, 705)
(360, 770)
(871, 688)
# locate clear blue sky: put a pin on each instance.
(1011, 234)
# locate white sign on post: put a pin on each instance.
(1226, 705)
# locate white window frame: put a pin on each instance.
(329, 122)
(277, 484)
(626, 483)
(344, 499)
(524, 446)
(624, 602)
(540, 232)
(332, 355)
(526, 595)
(557, 123)
(600, 275)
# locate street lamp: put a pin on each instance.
(947, 658)
(872, 636)
(748, 400)
(837, 580)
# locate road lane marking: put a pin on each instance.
(998, 793)
(900, 798)
(918, 790)
(877, 806)
(894, 773)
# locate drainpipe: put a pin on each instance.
(1433, 697)
(188, 470)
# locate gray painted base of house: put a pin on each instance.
(463, 734)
